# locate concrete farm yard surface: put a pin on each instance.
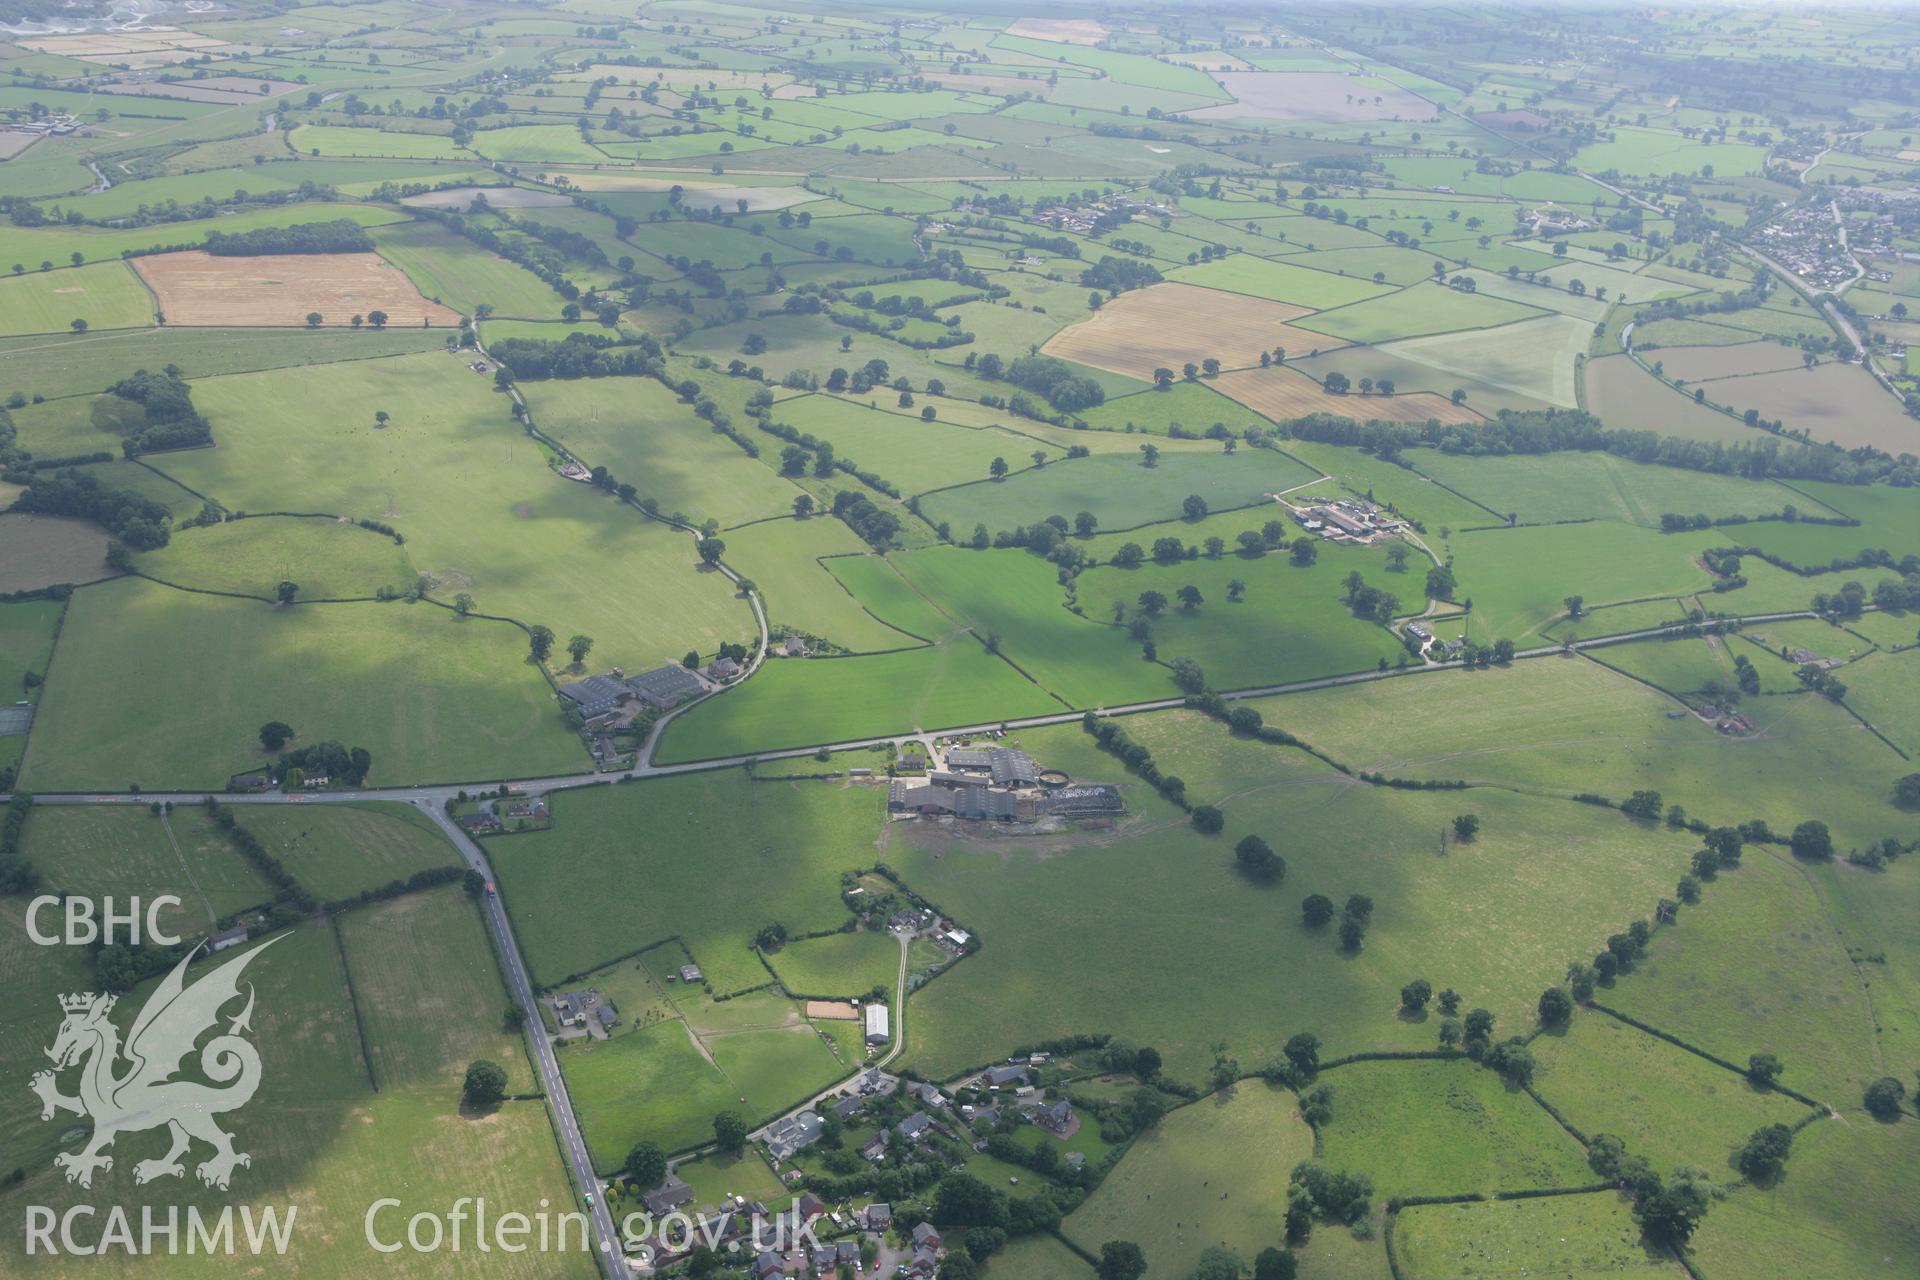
(197, 288)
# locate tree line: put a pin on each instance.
(340, 235)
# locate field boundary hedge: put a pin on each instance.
(353, 999)
(1698, 1052)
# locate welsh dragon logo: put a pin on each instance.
(146, 1094)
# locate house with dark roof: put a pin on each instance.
(914, 1127)
(1057, 1117)
(722, 669)
(926, 1236)
(607, 1016)
(794, 1133)
(847, 1108)
(879, 1217)
(665, 1199)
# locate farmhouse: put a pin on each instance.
(1058, 1117)
(228, 938)
(877, 1030)
(666, 1199)
(723, 669)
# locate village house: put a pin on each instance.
(794, 1133)
(1058, 1117)
(665, 1199)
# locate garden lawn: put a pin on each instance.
(187, 680)
(1118, 489)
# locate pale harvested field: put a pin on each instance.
(1064, 30)
(1280, 394)
(1840, 403)
(1171, 324)
(38, 551)
(196, 288)
(221, 89)
(1627, 397)
(13, 142)
(1699, 364)
(1312, 95)
(498, 197)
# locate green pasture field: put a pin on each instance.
(326, 558)
(1656, 152)
(1292, 623)
(666, 1082)
(785, 845)
(1600, 486)
(1161, 1195)
(77, 425)
(27, 630)
(1572, 726)
(33, 245)
(1685, 665)
(1885, 690)
(1886, 628)
(375, 144)
(643, 433)
(1121, 491)
(840, 964)
(187, 680)
(914, 456)
(798, 703)
(1518, 364)
(337, 850)
(318, 1134)
(1280, 281)
(1036, 1257)
(481, 511)
(1182, 909)
(1582, 1237)
(1194, 405)
(716, 1176)
(123, 851)
(1665, 1103)
(1422, 309)
(1887, 514)
(799, 591)
(536, 144)
(1838, 1214)
(462, 275)
(812, 343)
(425, 1038)
(1016, 597)
(106, 295)
(1445, 1128)
(97, 360)
(878, 587)
(1517, 578)
(1761, 966)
